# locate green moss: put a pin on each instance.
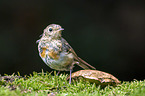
(42, 84)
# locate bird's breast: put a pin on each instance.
(51, 49)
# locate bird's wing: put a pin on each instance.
(81, 63)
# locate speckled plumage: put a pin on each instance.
(55, 56)
(56, 52)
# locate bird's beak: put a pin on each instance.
(61, 29)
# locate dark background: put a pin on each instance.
(108, 34)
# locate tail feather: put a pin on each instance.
(84, 64)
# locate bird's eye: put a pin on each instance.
(50, 29)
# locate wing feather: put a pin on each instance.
(81, 63)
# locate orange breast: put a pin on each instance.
(53, 55)
(43, 54)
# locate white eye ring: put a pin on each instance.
(50, 29)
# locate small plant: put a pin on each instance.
(42, 84)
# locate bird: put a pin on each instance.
(56, 52)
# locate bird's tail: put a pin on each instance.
(84, 64)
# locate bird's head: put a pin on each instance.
(53, 31)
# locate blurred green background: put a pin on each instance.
(108, 34)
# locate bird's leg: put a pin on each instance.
(70, 76)
(71, 71)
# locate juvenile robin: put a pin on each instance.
(56, 52)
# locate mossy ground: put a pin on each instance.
(42, 84)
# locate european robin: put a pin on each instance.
(56, 52)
